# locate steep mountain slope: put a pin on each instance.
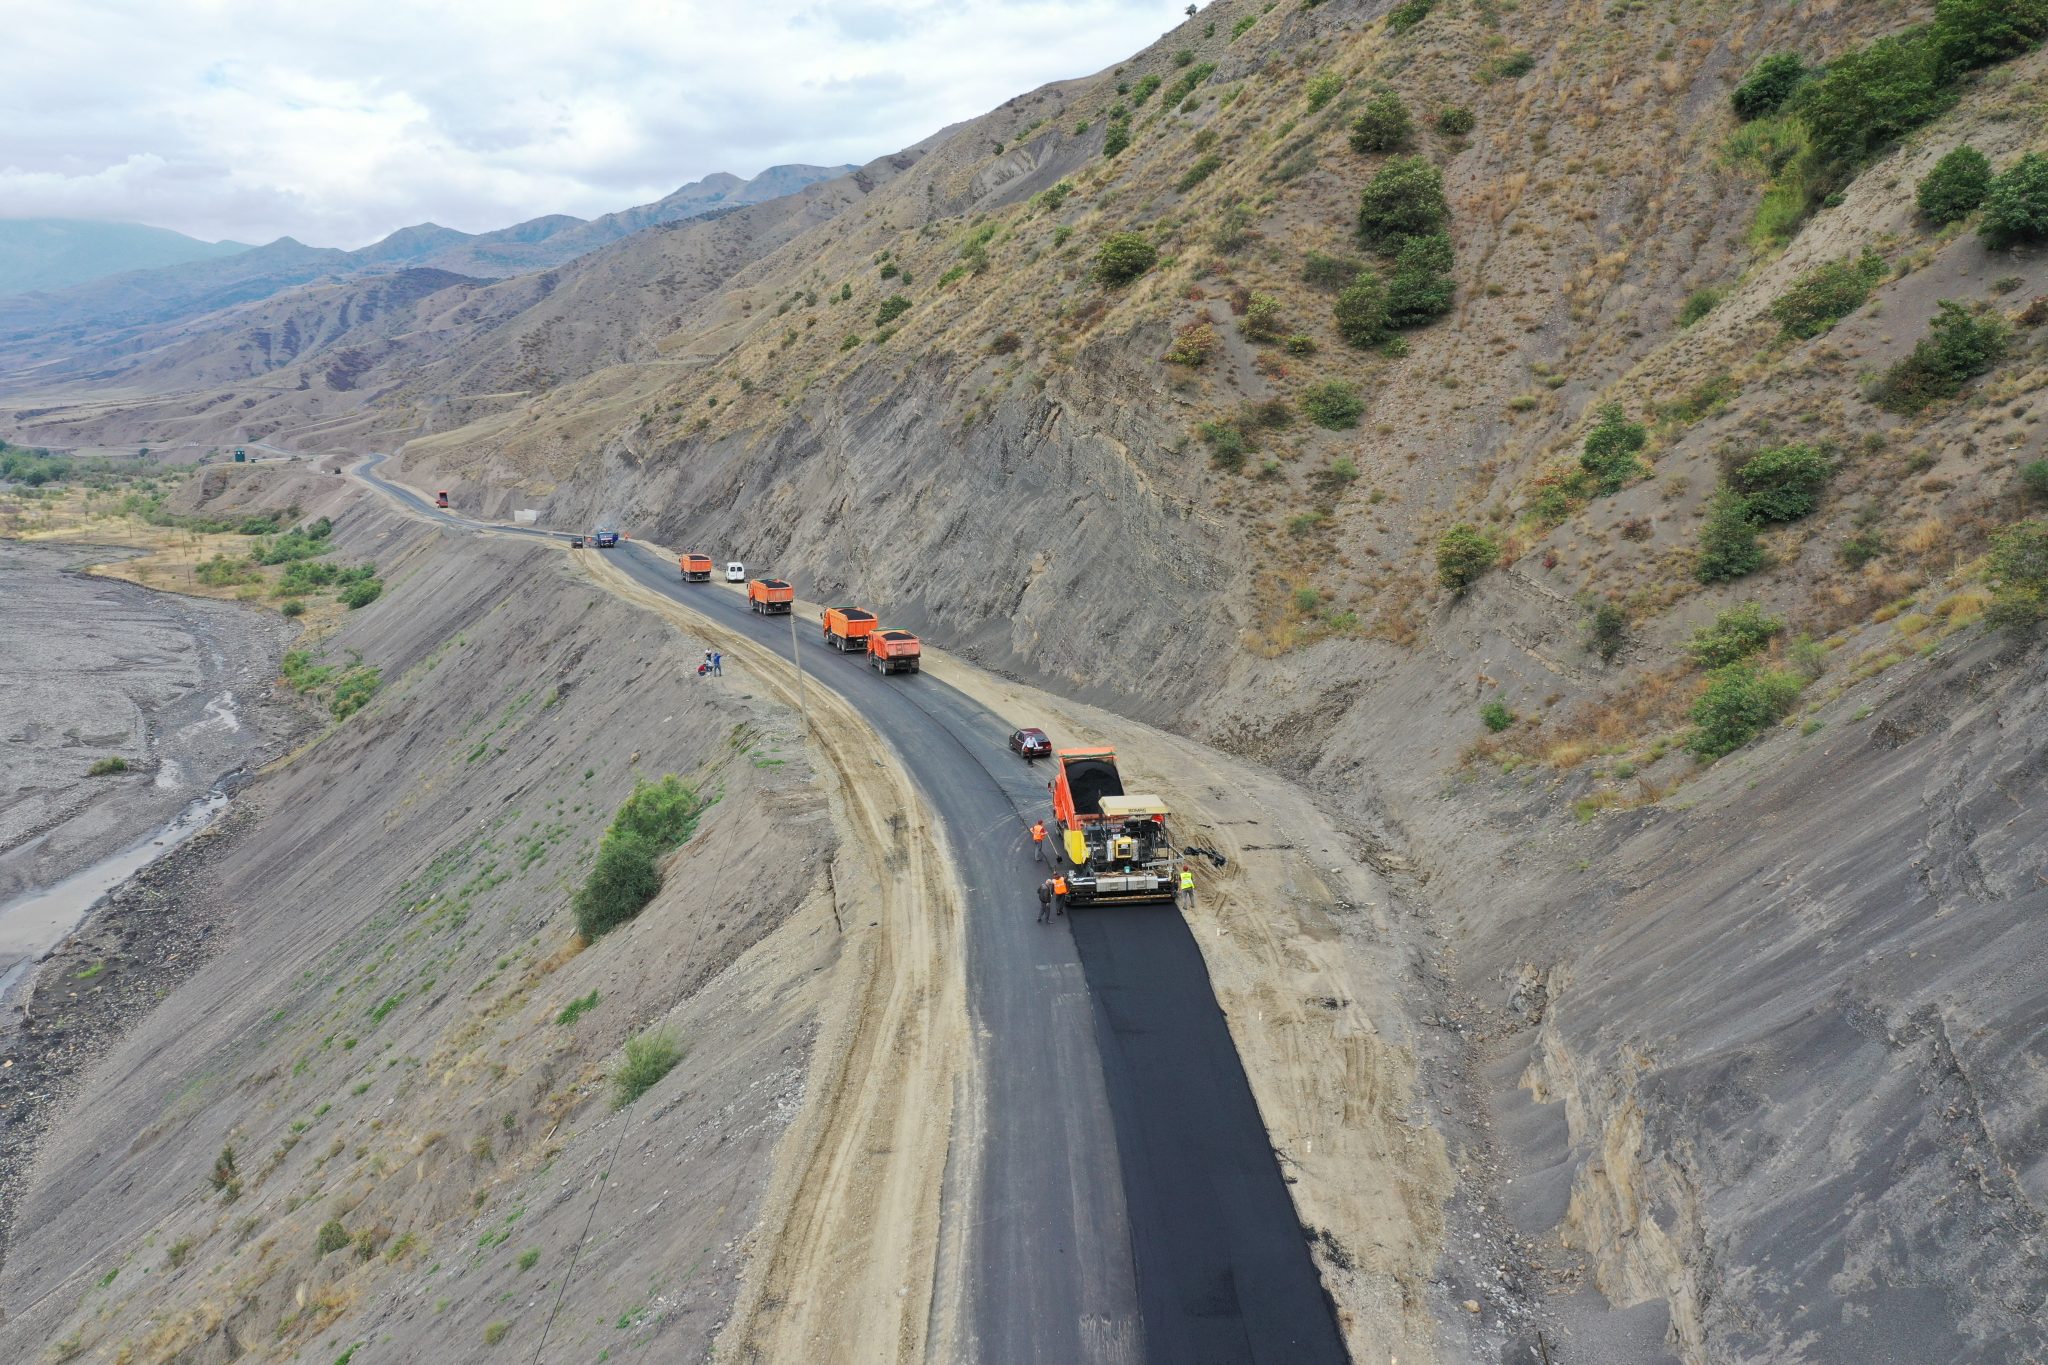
(52, 253)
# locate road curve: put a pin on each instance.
(1127, 1205)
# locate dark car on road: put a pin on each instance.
(575, 542)
(1031, 743)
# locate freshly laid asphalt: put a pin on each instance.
(1128, 1206)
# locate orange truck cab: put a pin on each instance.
(696, 568)
(847, 628)
(1115, 846)
(894, 651)
(769, 596)
(440, 499)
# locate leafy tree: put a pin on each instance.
(1404, 199)
(1609, 454)
(1419, 289)
(1826, 294)
(1740, 703)
(1871, 96)
(1736, 634)
(1959, 346)
(1974, 33)
(1728, 543)
(1955, 187)
(1334, 406)
(2016, 208)
(1123, 257)
(1383, 125)
(1361, 311)
(1463, 554)
(1768, 85)
(2019, 565)
(1607, 632)
(1454, 120)
(1116, 137)
(1783, 483)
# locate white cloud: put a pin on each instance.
(336, 124)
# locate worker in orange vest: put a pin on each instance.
(1059, 894)
(1038, 840)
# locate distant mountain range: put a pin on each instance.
(99, 290)
(50, 253)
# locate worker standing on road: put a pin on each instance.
(717, 664)
(1038, 840)
(1045, 901)
(1187, 884)
(1059, 894)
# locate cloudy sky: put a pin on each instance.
(337, 122)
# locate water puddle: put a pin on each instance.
(31, 925)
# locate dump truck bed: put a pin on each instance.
(847, 628)
(895, 651)
(770, 596)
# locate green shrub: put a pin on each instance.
(1740, 703)
(1513, 66)
(2018, 565)
(1051, 199)
(1361, 311)
(331, 1237)
(1192, 344)
(1609, 453)
(851, 340)
(1142, 91)
(1301, 343)
(1408, 14)
(1184, 57)
(1189, 79)
(2034, 480)
(1826, 294)
(893, 307)
(647, 1059)
(1263, 318)
(1955, 187)
(1783, 483)
(1123, 257)
(890, 270)
(1737, 633)
(1728, 544)
(1116, 136)
(1242, 26)
(1383, 125)
(576, 1009)
(1496, 717)
(294, 607)
(1454, 120)
(655, 818)
(1463, 554)
(361, 594)
(495, 1332)
(1334, 406)
(1199, 172)
(1419, 289)
(1607, 632)
(1768, 85)
(1868, 98)
(101, 767)
(2016, 207)
(1699, 303)
(222, 572)
(1976, 33)
(1322, 88)
(1329, 272)
(352, 692)
(1959, 346)
(1404, 199)
(1709, 395)
(1860, 547)
(1228, 445)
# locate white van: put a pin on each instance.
(735, 572)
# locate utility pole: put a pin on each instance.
(796, 658)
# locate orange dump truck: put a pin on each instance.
(696, 568)
(1115, 846)
(894, 651)
(847, 628)
(769, 596)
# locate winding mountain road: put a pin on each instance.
(1125, 1201)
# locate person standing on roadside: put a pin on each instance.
(717, 664)
(1045, 901)
(1059, 893)
(1187, 884)
(1038, 840)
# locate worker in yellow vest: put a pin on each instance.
(1187, 884)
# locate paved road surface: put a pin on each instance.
(1128, 1205)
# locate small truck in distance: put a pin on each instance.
(894, 651)
(696, 568)
(847, 629)
(769, 596)
(441, 499)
